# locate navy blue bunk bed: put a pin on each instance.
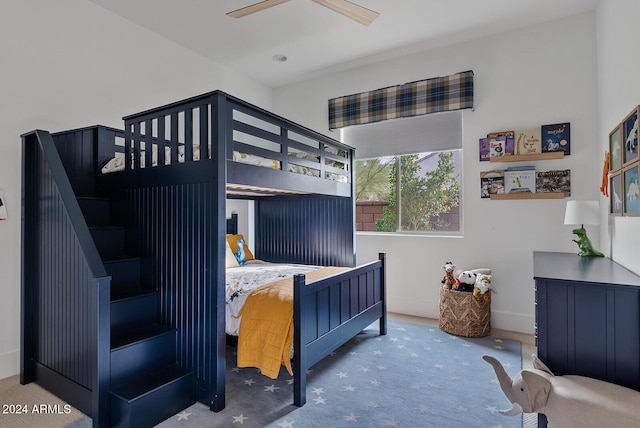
(123, 275)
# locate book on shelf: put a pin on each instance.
(500, 146)
(484, 149)
(556, 138)
(554, 181)
(499, 143)
(528, 142)
(520, 179)
(491, 183)
(501, 134)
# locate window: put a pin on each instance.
(407, 174)
(417, 192)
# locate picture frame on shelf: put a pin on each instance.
(631, 200)
(615, 148)
(616, 192)
(630, 137)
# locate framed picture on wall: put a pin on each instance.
(631, 204)
(615, 149)
(630, 135)
(615, 194)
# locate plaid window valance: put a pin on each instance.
(454, 92)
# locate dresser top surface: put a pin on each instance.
(572, 267)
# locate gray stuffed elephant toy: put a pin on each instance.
(568, 401)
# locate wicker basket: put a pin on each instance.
(463, 314)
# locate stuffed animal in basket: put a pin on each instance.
(467, 278)
(483, 286)
(466, 281)
(569, 400)
(449, 281)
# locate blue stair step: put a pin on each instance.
(96, 211)
(125, 273)
(132, 308)
(109, 240)
(148, 399)
(140, 350)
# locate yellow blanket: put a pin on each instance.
(265, 336)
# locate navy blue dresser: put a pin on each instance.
(587, 317)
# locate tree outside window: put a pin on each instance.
(411, 193)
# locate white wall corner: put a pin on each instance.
(9, 364)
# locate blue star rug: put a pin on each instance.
(415, 376)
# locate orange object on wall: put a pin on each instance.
(604, 187)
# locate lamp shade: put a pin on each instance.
(582, 212)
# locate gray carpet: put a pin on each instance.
(415, 376)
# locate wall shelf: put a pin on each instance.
(553, 195)
(525, 158)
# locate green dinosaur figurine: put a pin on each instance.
(584, 244)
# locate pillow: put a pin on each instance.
(233, 243)
(115, 164)
(230, 258)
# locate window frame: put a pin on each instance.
(427, 133)
(402, 232)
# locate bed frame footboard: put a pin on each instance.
(329, 312)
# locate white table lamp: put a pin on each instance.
(583, 212)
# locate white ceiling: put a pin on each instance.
(319, 41)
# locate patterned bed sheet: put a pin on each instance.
(292, 167)
(242, 280)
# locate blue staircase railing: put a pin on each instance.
(65, 340)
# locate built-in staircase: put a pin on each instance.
(147, 385)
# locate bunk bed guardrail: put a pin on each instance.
(65, 334)
(183, 132)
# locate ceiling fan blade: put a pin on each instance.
(239, 13)
(351, 10)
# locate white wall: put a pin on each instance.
(245, 211)
(523, 79)
(618, 94)
(68, 64)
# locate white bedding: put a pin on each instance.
(117, 163)
(246, 278)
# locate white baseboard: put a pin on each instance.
(9, 364)
(501, 320)
(513, 322)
